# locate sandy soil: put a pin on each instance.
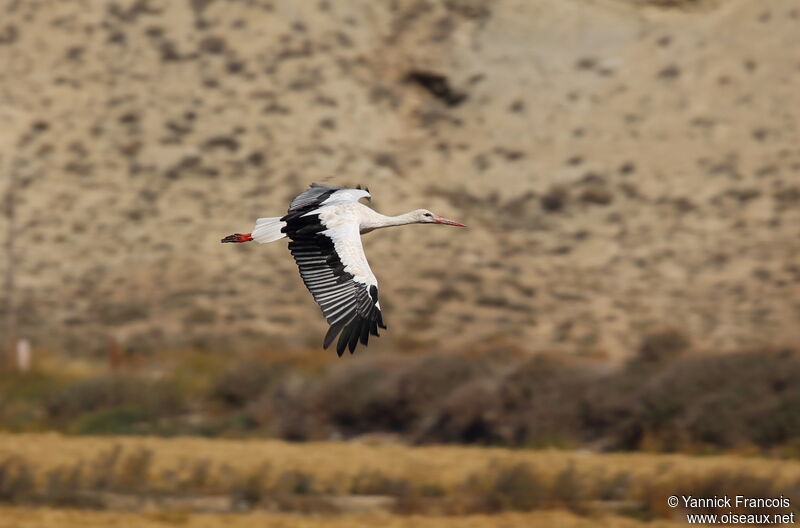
(624, 167)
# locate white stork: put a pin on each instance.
(325, 224)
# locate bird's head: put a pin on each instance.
(423, 216)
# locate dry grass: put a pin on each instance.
(322, 478)
(335, 463)
(48, 518)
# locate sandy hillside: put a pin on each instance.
(623, 166)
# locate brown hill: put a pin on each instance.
(624, 166)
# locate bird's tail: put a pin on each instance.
(268, 229)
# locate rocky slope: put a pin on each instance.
(623, 166)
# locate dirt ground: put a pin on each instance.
(624, 167)
(64, 518)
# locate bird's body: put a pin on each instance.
(324, 224)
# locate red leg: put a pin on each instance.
(238, 237)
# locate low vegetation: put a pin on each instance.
(665, 399)
(229, 476)
(133, 437)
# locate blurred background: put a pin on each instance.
(629, 282)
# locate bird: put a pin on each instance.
(324, 224)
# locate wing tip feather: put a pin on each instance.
(330, 336)
(351, 333)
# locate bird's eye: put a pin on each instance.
(428, 215)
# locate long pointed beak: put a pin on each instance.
(445, 221)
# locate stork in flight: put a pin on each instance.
(325, 224)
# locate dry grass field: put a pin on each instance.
(333, 464)
(146, 481)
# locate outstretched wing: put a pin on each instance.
(335, 270)
(318, 195)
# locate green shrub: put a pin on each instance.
(117, 420)
(114, 405)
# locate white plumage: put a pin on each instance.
(324, 224)
(268, 229)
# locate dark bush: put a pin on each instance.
(426, 382)
(541, 400)
(388, 395)
(353, 399)
(469, 415)
(665, 402)
(609, 410)
(246, 382)
(660, 400)
(716, 401)
(781, 424)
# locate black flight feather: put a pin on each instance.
(344, 339)
(365, 332)
(333, 331)
(348, 302)
(355, 334)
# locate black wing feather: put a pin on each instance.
(312, 197)
(333, 331)
(355, 334)
(344, 339)
(365, 332)
(350, 306)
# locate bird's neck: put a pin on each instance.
(379, 221)
(403, 219)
